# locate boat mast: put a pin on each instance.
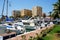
(7, 8)
(3, 9)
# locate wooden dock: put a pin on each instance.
(8, 35)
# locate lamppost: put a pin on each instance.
(50, 16)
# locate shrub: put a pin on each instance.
(23, 37)
(31, 38)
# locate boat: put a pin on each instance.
(14, 27)
(30, 23)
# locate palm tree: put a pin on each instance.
(56, 10)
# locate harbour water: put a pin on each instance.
(2, 30)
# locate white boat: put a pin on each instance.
(30, 23)
(15, 27)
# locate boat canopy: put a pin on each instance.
(9, 19)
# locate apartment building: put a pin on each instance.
(37, 11)
(16, 13)
(26, 12)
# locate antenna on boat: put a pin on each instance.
(7, 5)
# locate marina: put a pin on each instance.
(20, 28)
(23, 23)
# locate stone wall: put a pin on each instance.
(27, 35)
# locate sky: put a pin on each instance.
(28, 4)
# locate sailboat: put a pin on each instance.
(13, 27)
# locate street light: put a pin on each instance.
(50, 16)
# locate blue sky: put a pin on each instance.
(28, 4)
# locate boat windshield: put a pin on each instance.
(18, 25)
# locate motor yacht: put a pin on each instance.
(15, 28)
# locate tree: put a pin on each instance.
(56, 10)
(2, 18)
(44, 15)
(11, 17)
